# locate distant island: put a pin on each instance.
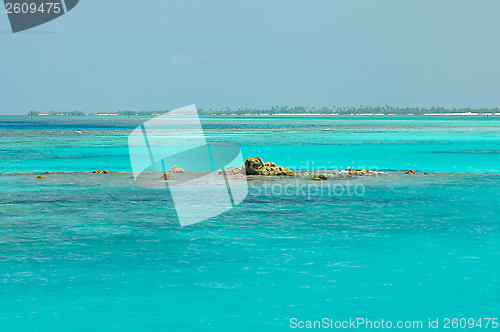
(285, 110)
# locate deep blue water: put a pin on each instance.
(96, 252)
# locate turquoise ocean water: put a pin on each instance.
(95, 252)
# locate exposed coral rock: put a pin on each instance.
(166, 176)
(255, 166)
(105, 172)
(359, 172)
(232, 170)
(411, 171)
(97, 172)
(320, 177)
(41, 177)
(239, 176)
(176, 169)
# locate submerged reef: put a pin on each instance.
(257, 167)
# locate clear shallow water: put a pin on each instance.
(95, 252)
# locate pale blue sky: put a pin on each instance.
(159, 54)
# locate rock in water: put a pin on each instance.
(41, 177)
(232, 170)
(255, 166)
(105, 172)
(166, 176)
(358, 172)
(97, 172)
(176, 169)
(239, 176)
(320, 177)
(411, 171)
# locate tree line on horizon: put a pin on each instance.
(384, 110)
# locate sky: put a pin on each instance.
(161, 55)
